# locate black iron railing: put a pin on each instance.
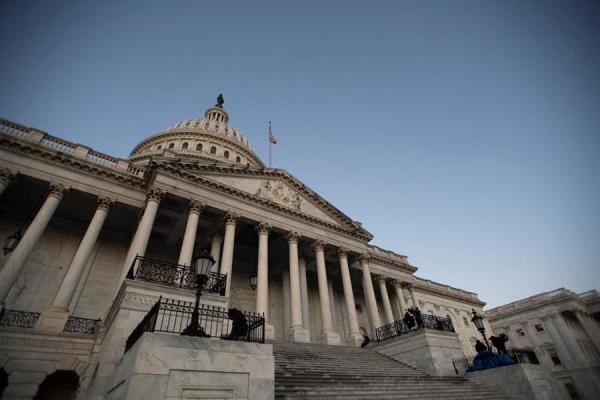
(175, 275)
(19, 319)
(81, 325)
(428, 321)
(173, 316)
(519, 356)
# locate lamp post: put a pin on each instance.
(478, 321)
(11, 242)
(202, 265)
(253, 281)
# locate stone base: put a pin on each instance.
(171, 367)
(519, 381)
(53, 320)
(330, 338)
(299, 334)
(427, 350)
(355, 340)
(269, 332)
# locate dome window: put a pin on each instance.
(159, 147)
(213, 150)
(238, 159)
(226, 130)
(226, 154)
(184, 146)
(217, 126)
(206, 125)
(172, 146)
(199, 147)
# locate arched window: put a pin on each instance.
(184, 146)
(199, 147)
(226, 154)
(172, 145)
(238, 159)
(213, 150)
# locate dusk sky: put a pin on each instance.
(464, 135)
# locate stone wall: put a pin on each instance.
(424, 349)
(172, 367)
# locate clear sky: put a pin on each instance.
(464, 135)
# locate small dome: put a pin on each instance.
(209, 138)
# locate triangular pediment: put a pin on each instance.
(274, 186)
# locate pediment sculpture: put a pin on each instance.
(279, 193)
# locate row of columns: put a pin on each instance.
(299, 324)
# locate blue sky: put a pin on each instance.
(463, 134)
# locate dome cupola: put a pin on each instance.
(206, 139)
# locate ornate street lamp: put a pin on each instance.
(253, 281)
(11, 242)
(478, 321)
(202, 265)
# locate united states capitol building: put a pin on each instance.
(97, 281)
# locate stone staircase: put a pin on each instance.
(314, 371)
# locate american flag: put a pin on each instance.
(272, 138)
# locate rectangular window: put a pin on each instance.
(520, 332)
(538, 328)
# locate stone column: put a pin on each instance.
(328, 336)
(369, 292)
(262, 270)
(400, 297)
(56, 316)
(228, 242)
(413, 295)
(297, 332)
(17, 259)
(590, 327)
(215, 251)
(262, 277)
(194, 209)
(6, 177)
(354, 338)
(560, 347)
(142, 234)
(304, 294)
(387, 307)
(285, 293)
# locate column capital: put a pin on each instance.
(397, 284)
(292, 237)
(6, 175)
(342, 252)
(364, 258)
(380, 279)
(57, 190)
(104, 203)
(195, 207)
(231, 218)
(318, 245)
(154, 194)
(263, 228)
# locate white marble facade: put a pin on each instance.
(563, 329)
(84, 216)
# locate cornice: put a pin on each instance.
(420, 286)
(509, 310)
(189, 176)
(394, 264)
(67, 161)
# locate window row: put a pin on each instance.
(200, 147)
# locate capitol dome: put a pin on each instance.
(207, 139)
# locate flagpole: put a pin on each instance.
(269, 139)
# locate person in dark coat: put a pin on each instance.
(418, 318)
(366, 341)
(240, 326)
(479, 347)
(408, 320)
(499, 342)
